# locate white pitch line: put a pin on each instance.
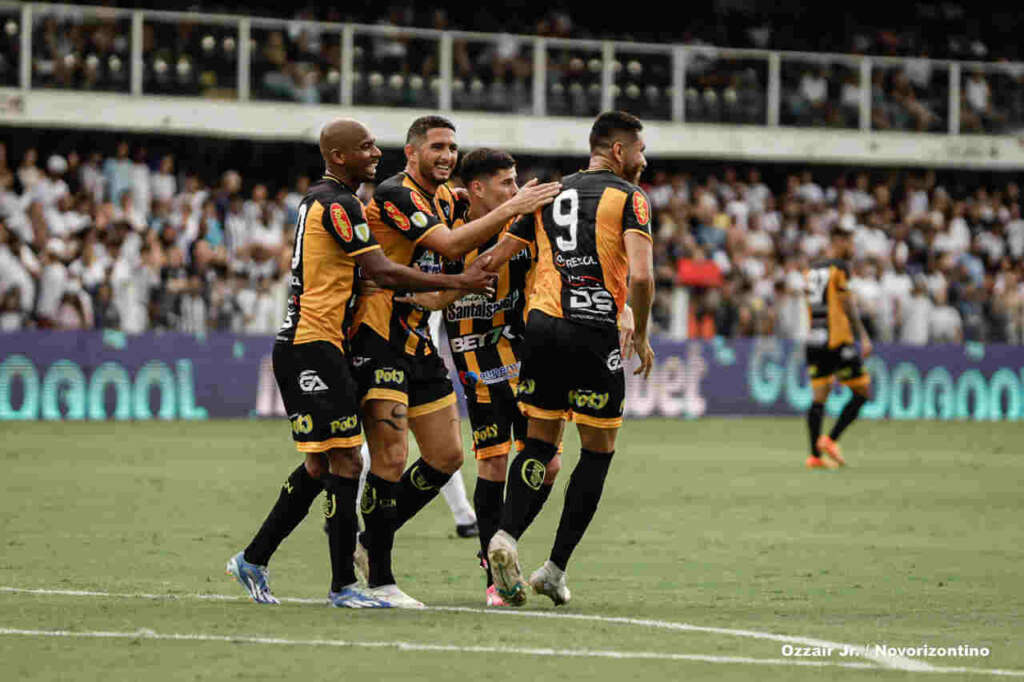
(417, 646)
(895, 662)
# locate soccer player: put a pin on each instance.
(403, 382)
(331, 239)
(484, 336)
(593, 244)
(830, 351)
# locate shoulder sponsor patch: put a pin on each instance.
(421, 203)
(419, 219)
(397, 216)
(640, 208)
(363, 232)
(340, 219)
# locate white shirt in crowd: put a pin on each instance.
(163, 185)
(131, 294)
(945, 324)
(917, 320)
(51, 288)
(897, 288)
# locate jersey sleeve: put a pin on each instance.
(408, 212)
(345, 221)
(841, 277)
(636, 215)
(525, 228)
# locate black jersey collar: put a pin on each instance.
(328, 175)
(429, 195)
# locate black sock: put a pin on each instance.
(581, 498)
(419, 485)
(340, 516)
(291, 507)
(814, 416)
(537, 503)
(846, 417)
(378, 507)
(525, 481)
(487, 504)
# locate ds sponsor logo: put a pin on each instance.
(310, 382)
(484, 433)
(388, 376)
(588, 399)
(302, 423)
(343, 425)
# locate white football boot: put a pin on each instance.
(549, 580)
(393, 597)
(503, 558)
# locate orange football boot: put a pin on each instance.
(819, 463)
(831, 448)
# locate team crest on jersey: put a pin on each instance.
(640, 209)
(419, 219)
(421, 203)
(341, 221)
(399, 218)
(363, 232)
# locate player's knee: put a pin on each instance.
(345, 462)
(551, 472)
(316, 464)
(493, 468)
(448, 459)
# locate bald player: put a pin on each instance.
(310, 364)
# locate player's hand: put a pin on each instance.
(626, 328)
(477, 279)
(532, 196)
(866, 348)
(646, 355)
(411, 299)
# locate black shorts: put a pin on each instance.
(843, 362)
(384, 373)
(571, 369)
(319, 394)
(495, 423)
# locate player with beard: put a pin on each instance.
(593, 244)
(332, 238)
(403, 382)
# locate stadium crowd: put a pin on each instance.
(299, 62)
(131, 243)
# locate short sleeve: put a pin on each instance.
(345, 221)
(408, 212)
(525, 227)
(636, 215)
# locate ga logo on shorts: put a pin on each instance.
(533, 473)
(302, 423)
(614, 361)
(396, 216)
(640, 208)
(485, 432)
(341, 221)
(421, 203)
(346, 424)
(388, 376)
(310, 381)
(594, 401)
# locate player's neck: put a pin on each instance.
(476, 211)
(424, 183)
(341, 176)
(600, 163)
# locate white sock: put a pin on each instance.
(454, 492)
(365, 453)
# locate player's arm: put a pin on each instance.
(456, 243)
(640, 253)
(627, 328)
(859, 331)
(432, 300)
(390, 275)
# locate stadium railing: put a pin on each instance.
(150, 52)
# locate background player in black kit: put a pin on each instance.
(310, 366)
(593, 239)
(831, 354)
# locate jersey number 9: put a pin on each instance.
(565, 212)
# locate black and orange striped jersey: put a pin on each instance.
(581, 254)
(331, 230)
(483, 333)
(827, 282)
(401, 215)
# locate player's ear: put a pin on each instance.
(410, 152)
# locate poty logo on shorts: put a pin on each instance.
(614, 361)
(526, 387)
(388, 376)
(594, 401)
(346, 424)
(302, 423)
(483, 433)
(533, 473)
(310, 382)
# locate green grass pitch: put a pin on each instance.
(713, 523)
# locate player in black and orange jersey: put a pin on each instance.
(404, 384)
(484, 335)
(593, 244)
(332, 238)
(831, 353)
